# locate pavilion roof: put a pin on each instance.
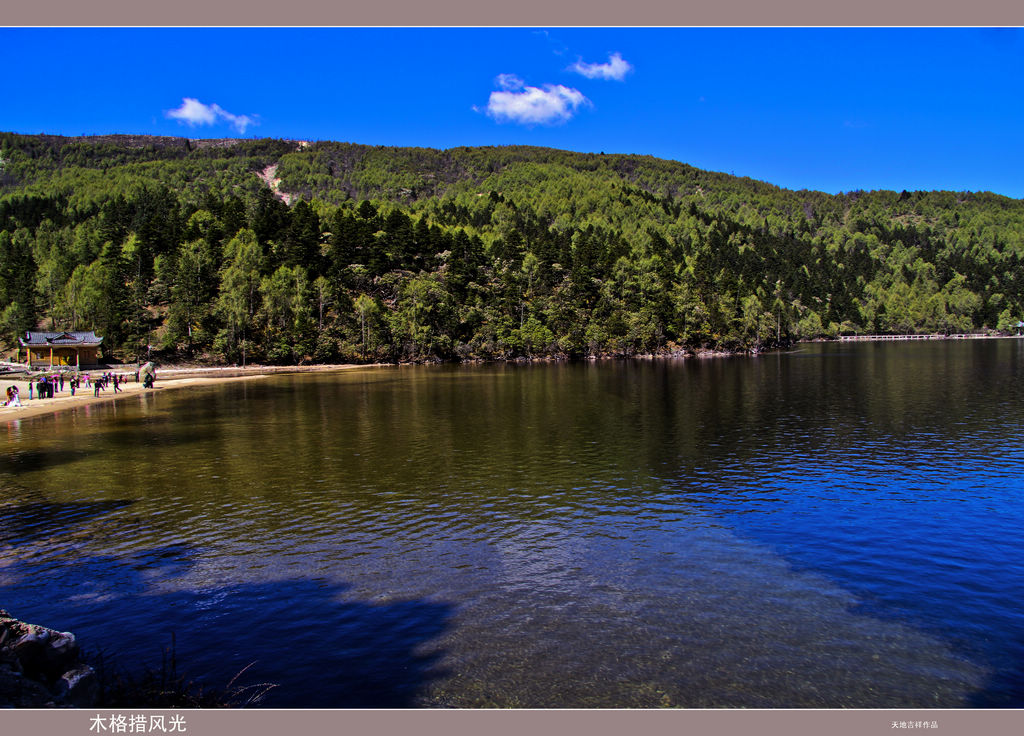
(43, 339)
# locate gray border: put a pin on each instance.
(477, 13)
(520, 13)
(515, 722)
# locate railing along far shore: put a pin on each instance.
(933, 336)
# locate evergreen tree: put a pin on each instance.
(17, 287)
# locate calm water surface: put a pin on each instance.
(837, 526)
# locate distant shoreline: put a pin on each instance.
(171, 377)
(184, 376)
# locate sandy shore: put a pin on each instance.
(167, 379)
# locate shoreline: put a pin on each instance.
(172, 377)
(167, 379)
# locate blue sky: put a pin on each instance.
(828, 109)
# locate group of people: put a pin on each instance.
(48, 386)
(106, 380)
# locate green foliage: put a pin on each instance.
(494, 252)
(239, 295)
(17, 287)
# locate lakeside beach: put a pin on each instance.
(169, 378)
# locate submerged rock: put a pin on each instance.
(40, 667)
(79, 686)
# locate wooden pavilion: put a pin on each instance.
(77, 349)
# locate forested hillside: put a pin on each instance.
(420, 254)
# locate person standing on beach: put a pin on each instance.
(62, 383)
(116, 387)
(96, 386)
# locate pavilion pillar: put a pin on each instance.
(51, 356)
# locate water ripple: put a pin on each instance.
(821, 530)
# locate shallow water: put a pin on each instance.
(837, 526)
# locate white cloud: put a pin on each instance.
(616, 68)
(193, 112)
(509, 81)
(553, 104)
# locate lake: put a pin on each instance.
(837, 526)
